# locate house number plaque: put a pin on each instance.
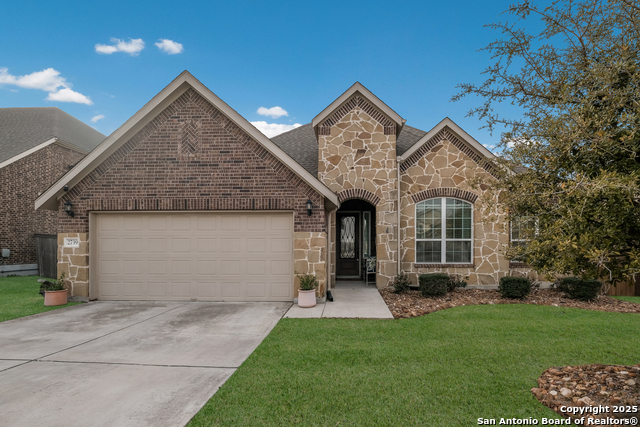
(71, 242)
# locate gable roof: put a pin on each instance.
(357, 87)
(25, 129)
(447, 122)
(302, 145)
(48, 200)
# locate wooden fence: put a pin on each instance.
(623, 289)
(47, 255)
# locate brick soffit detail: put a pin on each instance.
(444, 192)
(446, 134)
(357, 100)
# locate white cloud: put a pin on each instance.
(273, 129)
(132, 47)
(169, 46)
(273, 112)
(68, 95)
(490, 147)
(106, 49)
(96, 118)
(48, 80)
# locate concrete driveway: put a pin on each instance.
(125, 363)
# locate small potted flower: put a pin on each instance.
(55, 293)
(307, 291)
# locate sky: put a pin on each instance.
(278, 64)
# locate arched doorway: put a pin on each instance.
(356, 238)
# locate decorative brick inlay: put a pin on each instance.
(446, 134)
(310, 257)
(20, 184)
(231, 171)
(357, 101)
(358, 193)
(74, 263)
(190, 136)
(444, 192)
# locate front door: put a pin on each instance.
(348, 250)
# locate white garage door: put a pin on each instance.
(231, 256)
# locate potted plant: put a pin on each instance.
(307, 291)
(55, 293)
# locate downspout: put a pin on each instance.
(398, 160)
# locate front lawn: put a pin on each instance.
(19, 297)
(447, 368)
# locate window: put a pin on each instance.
(520, 228)
(366, 234)
(451, 245)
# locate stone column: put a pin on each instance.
(310, 257)
(74, 263)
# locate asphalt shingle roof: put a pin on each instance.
(24, 128)
(301, 144)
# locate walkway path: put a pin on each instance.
(351, 299)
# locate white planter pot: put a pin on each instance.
(307, 299)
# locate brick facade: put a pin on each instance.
(191, 157)
(20, 183)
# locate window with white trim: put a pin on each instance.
(520, 228)
(444, 231)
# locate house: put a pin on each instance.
(188, 201)
(37, 147)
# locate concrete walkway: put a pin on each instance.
(351, 299)
(125, 363)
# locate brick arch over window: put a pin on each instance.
(444, 192)
(358, 193)
(357, 101)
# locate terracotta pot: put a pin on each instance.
(55, 297)
(307, 299)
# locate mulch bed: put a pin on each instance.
(588, 386)
(412, 303)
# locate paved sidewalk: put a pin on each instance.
(350, 300)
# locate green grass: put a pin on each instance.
(444, 369)
(19, 297)
(630, 299)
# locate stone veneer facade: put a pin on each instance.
(445, 168)
(357, 160)
(357, 152)
(310, 255)
(74, 263)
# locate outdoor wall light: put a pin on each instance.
(67, 209)
(309, 207)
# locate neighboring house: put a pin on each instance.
(37, 147)
(188, 201)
